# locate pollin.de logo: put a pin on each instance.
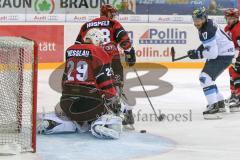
(44, 6)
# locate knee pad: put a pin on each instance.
(205, 80)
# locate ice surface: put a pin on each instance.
(194, 139)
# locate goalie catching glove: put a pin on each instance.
(130, 57)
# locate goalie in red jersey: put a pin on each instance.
(114, 36)
(89, 100)
(233, 30)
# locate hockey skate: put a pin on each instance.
(231, 100)
(235, 106)
(212, 112)
(233, 103)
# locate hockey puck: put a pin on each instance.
(143, 131)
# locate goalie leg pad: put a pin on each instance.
(107, 127)
(51, 124)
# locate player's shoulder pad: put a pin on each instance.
(208, 31)
(116, 22)
(101, 54)
(84, 27)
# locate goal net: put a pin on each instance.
(18, 88)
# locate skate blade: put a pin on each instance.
(212, 116)
(128, 127)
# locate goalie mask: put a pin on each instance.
(96, 37)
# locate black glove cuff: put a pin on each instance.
(130, 57)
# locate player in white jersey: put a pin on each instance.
(218, 50)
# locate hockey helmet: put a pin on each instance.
(108, 11)
(199, 13)
(231, 12)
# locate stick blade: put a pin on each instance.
(173, 53)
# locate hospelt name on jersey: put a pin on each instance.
(98, 24)
(78, 53)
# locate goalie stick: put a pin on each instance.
(161, 116)
(173, 55)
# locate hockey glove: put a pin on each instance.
(238, 41)
(195, 54)
(130, 57)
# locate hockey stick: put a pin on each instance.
(173, 55)
(161, 116)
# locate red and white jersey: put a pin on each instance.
(111, 49)
(88, 65)
(112, 30)
(234, 33)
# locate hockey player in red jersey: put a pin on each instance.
(113, 33)
(88, 94)
(114, 36)
(233, 30)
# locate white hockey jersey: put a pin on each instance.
(215, 41)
